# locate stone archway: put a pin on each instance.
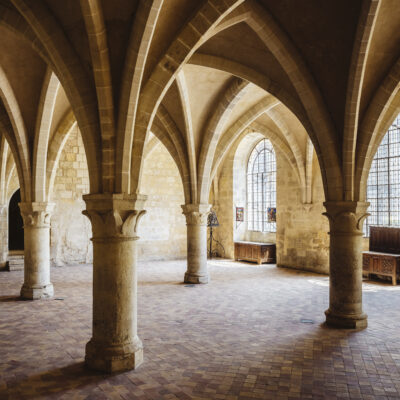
(15, 223)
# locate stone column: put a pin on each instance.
(36, 217)
(115, 345)
(3, 236)
(196, 221)
(345, 283)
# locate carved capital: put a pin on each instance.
(114, 216)
(36, 214)
(346, 217)
(196, 214)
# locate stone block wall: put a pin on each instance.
(162, 230)
(70, 229)
(302, 231)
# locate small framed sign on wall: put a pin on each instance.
(239, 214)
(271, 214)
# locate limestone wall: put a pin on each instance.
(70, 229)
(162, 230)
(301, 238)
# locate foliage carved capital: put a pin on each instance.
(36, 214)
(346, 217)
(196, 214)
(114, 216)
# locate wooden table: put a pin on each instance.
(255, 251)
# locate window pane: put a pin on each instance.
(261, 188)
(383, 186)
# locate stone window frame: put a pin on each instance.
(261, 186)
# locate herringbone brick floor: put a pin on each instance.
(254, 332)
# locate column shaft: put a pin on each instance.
(114, 345)
(3, 236)
(36, 218)
(345, 289)
(196, 221)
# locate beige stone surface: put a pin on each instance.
(201, 76)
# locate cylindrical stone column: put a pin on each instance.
(36, 217)
(115, 345)
(3, 236)
(196, 222)
(345, 282)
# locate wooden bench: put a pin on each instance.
(383, 257)
(255, 251)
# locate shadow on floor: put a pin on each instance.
(52, 383)
(9, 299)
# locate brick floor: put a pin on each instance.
(239, 337)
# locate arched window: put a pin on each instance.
(261, 188)
(383, 186)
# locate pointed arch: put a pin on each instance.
(382, 110)
(362, 42)
(179, 52)
(163, 136)
(65, 127)
(235, 129)
(42, 133)
(164, 118)
(75, 81)
(138, 48)
(291, 139)
(13, 128)
(3, 166)
(213, 132)
(189, 134)
(94, 21)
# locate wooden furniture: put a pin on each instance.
(255, 251)
(383, 258)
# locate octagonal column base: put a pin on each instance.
(37, 292)
(346, 321)
(111, 359)
(192, 278)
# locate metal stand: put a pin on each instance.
(211, 239)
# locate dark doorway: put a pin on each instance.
(15, 224)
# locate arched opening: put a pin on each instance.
(15, 223)
(261, 188)
(383, 186)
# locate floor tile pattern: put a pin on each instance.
(254, 332)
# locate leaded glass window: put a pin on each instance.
(383, 186)
(261, 188)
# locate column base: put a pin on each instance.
(115, 358)
(190, 278)
(37, 292)
(346, 321)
